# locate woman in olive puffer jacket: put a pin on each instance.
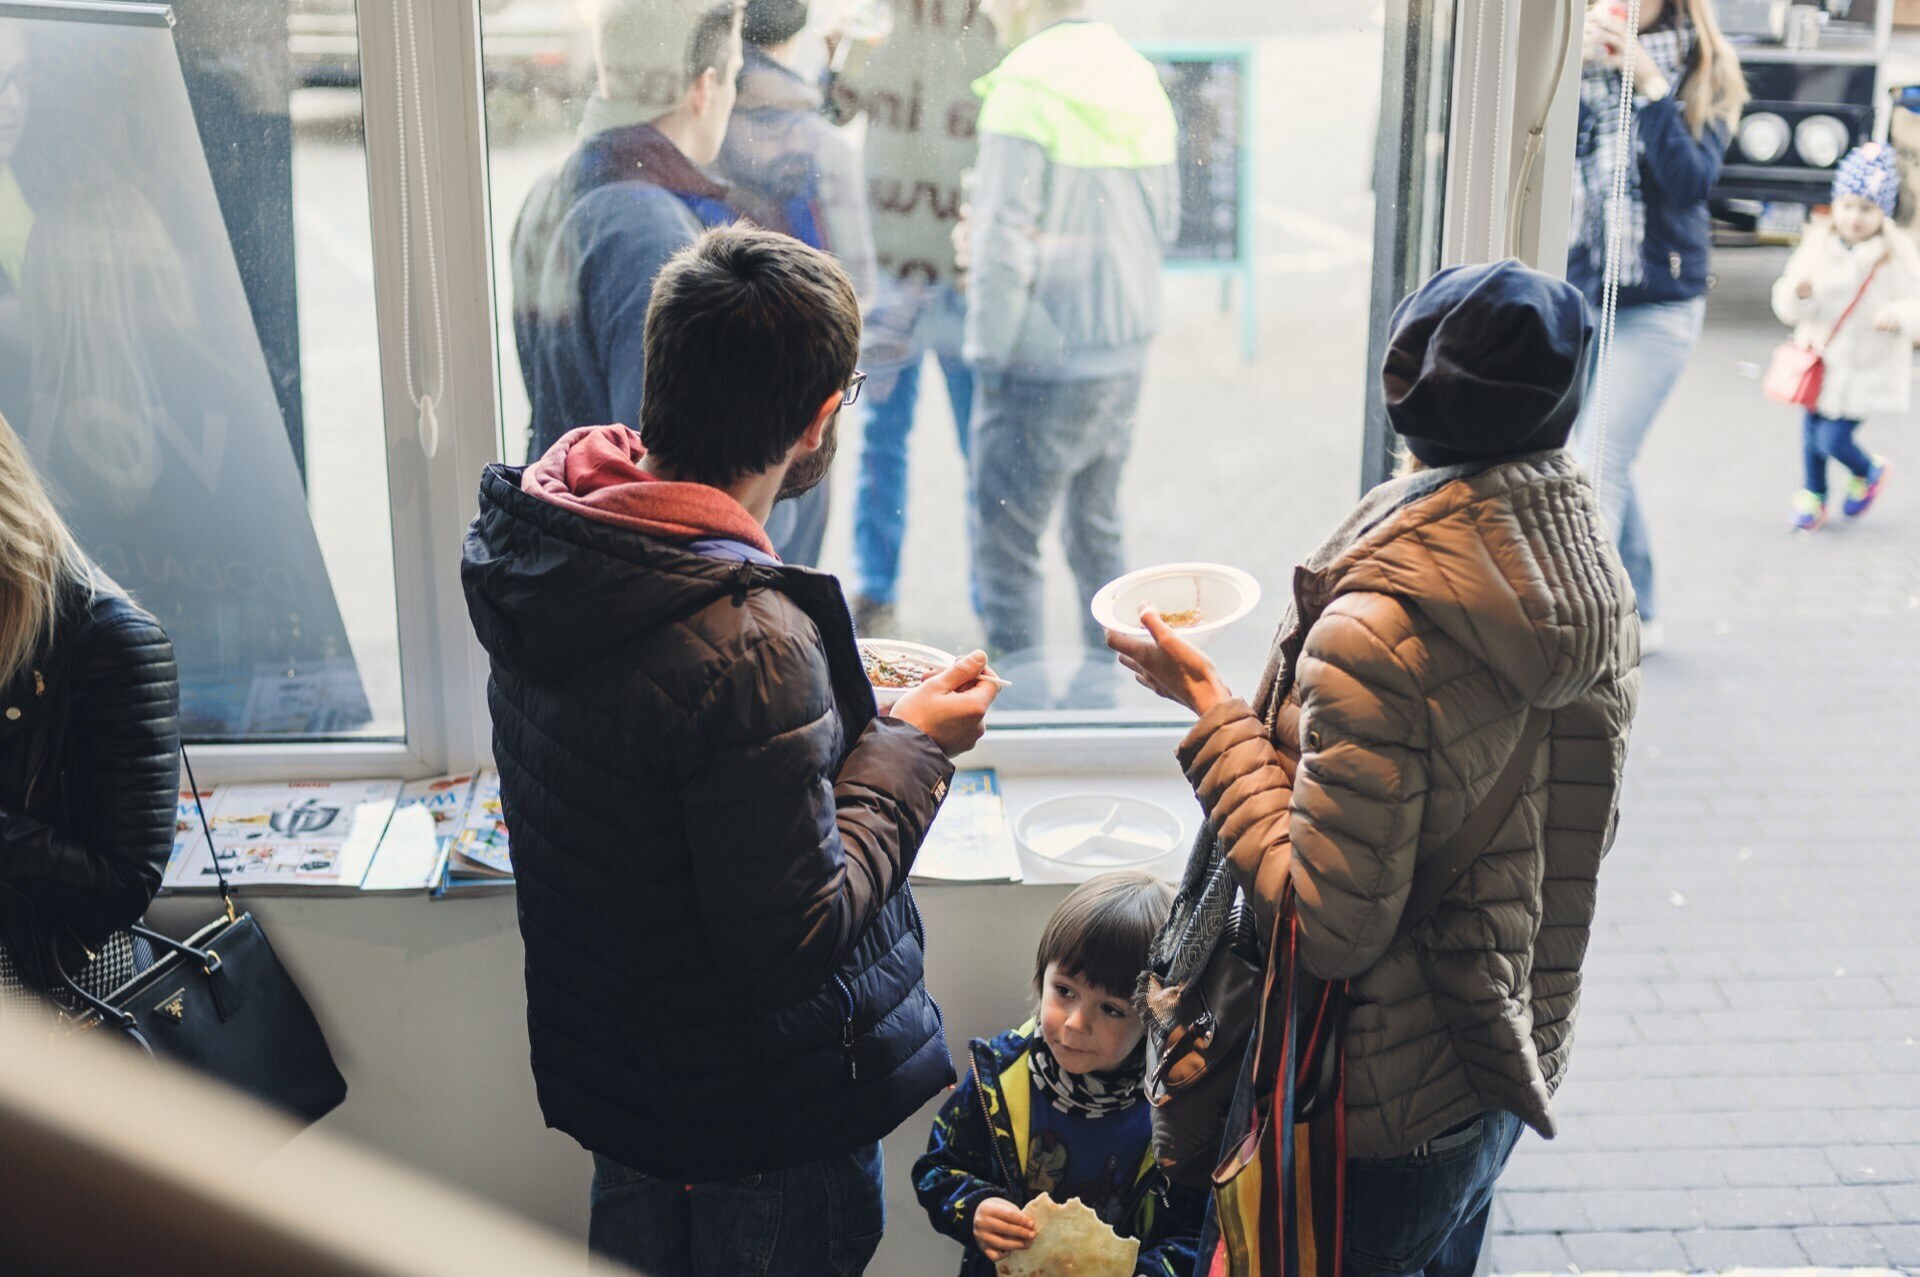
(1458, 603)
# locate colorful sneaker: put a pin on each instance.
(1809, 511)
(1861, 492)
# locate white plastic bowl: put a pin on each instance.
(1080, 836)
(894, 649)
(1223, 594)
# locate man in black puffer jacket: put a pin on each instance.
(711, 825)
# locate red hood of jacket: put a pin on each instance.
(595, 472)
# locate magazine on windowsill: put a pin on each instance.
(427, 817)
(309, 835)
(970, 840)
(479, 856)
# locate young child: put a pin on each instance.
(1056, 1107)
(1869, 362)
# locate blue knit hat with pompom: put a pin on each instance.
(1871, 171)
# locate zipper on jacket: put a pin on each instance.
(1673, 264)
(986, 1115)
(920, 931)
(846, 1028)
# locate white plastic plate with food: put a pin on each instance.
(1078, 836)
(1198, 600)
(896, 668)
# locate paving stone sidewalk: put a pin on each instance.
(1745, 1089)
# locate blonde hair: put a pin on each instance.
(1717, 89)
(37, 557)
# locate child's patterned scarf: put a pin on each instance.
(1088, 1094)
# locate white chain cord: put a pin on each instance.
(1616, 235)
(1502, 140)
(1473, 94)
(425, 401)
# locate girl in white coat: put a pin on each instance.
(1869, 360)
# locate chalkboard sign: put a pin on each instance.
(1210, 90)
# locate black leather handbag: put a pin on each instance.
(221, 1003)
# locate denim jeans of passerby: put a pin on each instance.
(1832, 437)
(1426, 1213)
(1651, 346)
(1039, 445)
(823, 1219)
(917, 323)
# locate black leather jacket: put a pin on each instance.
(89, 778)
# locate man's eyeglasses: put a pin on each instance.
(854, 383)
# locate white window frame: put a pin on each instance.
(443, 670)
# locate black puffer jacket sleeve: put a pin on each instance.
(97, 868)
(790, 871)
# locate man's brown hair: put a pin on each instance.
(1102, 931)
(747, 335)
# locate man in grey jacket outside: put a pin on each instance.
(1075, 199)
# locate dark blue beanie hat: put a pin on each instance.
(1485, 362)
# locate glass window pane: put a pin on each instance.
(187, 346)
(1160, 351)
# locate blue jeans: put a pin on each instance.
(823, 1219)
(901, 344)
(1426, 1213)
(1832, 437)
(1652, 344)
(1036, 445)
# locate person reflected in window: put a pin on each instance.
(1688, 93)
(916, 91)
(1466, 624)
(16, 217)
(712, 827)
(89, 755)
(591, 238)
(792, 171)
(1075, 200)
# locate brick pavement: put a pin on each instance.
(1745, 1088)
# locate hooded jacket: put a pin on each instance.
(978, 1150)
(1867, 371)
(804, 176)
(1075, 201)
(711, 827)
(1457, 601)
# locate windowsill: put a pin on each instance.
(1078, 751)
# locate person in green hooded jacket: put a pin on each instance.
(1075, 201)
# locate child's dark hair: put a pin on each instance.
(1102, 931)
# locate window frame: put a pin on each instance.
(443, 671)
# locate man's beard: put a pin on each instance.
(806, 474)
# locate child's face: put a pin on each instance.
(1856, 218)
(1089, 1029)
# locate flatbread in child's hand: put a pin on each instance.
(1070, 1241)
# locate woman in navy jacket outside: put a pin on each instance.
(1688, 92)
